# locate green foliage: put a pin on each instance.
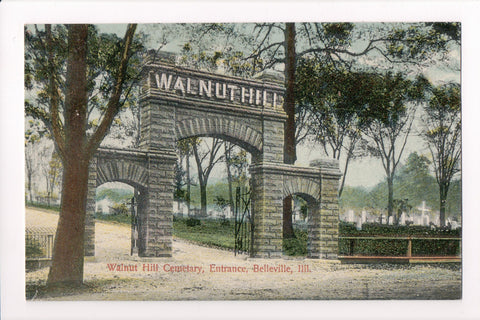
(51, 207)
(418, 41)
(33, 248)
(192, 222)
(354, 198)
(442, 132)
(414, 181)
(119, 218)
(394, 247)
(180, 182)
(120, 209)
(376, 229)
(386, 247)
(103, 57)
(296, 246)
(114, 194)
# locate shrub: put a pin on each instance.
(192, 222)
(296, 246)
(33, 249)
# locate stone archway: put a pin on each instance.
(177, 103)
(241, 134)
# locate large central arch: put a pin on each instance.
(178, 103)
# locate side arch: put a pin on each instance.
(122, 171)
(302, 186)
(228, 129)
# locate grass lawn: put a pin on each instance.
(215, 233)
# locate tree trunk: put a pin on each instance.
(29, 177)
(390, 196)
(67, 265)
(287, 219)
(203, 199)
(289, 104)
(443, 202)
(289, 107)
(229, 177)
(187, 159)
(68, 252)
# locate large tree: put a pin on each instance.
(388, 119)
(75, 71)
(442, 132)
(332, 101)
(206, 158)
(414, 180)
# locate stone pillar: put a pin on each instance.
(89, 238)
(328, 209)
(158, 220)
(157, 138)
(267, 191)
(157, 125)
(272, 141)
(267, 210)
(314, 244)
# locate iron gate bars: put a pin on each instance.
(243, 222)
(134, 226)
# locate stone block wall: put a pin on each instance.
(273, 141)
(328, 210)
(267, 208)
(158, 219)
(157, 125)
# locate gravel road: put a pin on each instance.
(200, 273)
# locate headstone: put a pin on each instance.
(359, 223)
(350, 216)
(227, 212)
(403, 219)
(390, 220)
(425, 220)
(454, 225)
(364, 216)
(383, 219)
(417, 220)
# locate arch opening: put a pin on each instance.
(207, 172)
(124, 203)
(305, 209)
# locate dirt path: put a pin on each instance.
(200, 273)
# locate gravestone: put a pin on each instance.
(350, 216)
(364, 216)
(425, 220)
(359, 223)
(403, 219)
(454, 225)
(390, 220)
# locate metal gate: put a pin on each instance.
(243, 222)
(135, 225)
